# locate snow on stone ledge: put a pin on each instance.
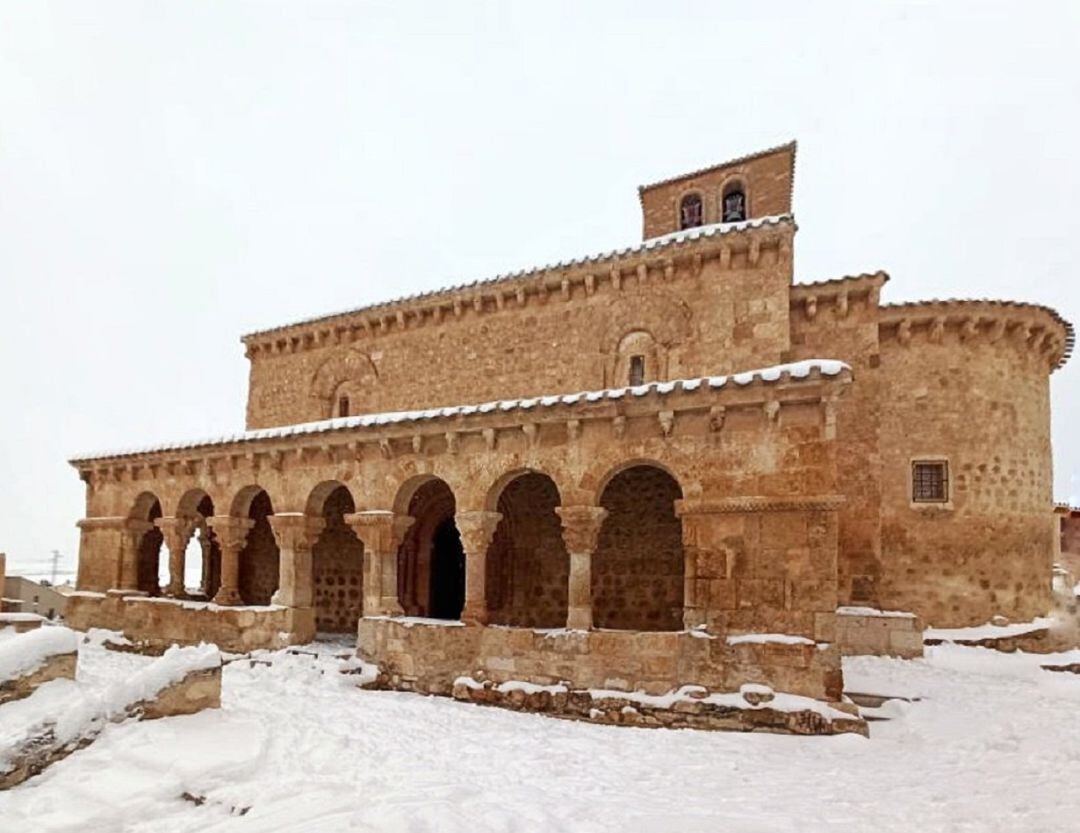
(776, 638)
(29, 651)
(793, 370)
(988, 631)
(848, 610)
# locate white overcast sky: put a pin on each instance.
(175, 174)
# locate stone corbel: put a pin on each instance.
(997, 330)
(903, 332)
(772, 411)
(842, 304)
(400, 319)
(522, 296)
(753, 255)
(564, 289)
(642, 274)
(590, 284)
(451, 442)
(669, 270)
(457, 308)
(417, 444)
(478, 303)
(725, 256)
(386, 449)
(532, 433)
(937, 330)
(437, 314)
(717, 413)
(696, 264)
(667, 422)
(618, 426)
(489, 438)
(616, 278)
(811, 307)
(573, 429)
(969, 329)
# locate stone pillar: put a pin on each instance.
(381, 532)
(476, 529)
(580, 530)
(231, 535)
(296, 534)
(177, 532)
(131, 535)
(207, 561)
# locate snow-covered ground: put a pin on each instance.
(993, 744)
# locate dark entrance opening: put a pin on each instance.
(447, 572)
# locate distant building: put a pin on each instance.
(23, 595)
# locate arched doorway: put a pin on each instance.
(259, 559)
(528, 567)
(431, 560)
(638, 566)
(337, 565)
(148, 562)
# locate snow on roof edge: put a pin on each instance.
(650, 243)
(794, 370)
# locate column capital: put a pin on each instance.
(476, 529)
(231, 532)
(184, 527)
(581, 526)
(295, 530)
(379, 529)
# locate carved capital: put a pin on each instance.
(176, 531)
(581, 526)
(381, 531)
(231, 533)
(296, 531)
(476, 530)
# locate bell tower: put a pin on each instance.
(747, 188)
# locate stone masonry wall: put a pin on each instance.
(729, 315)
(983, 405)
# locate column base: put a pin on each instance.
(579, 619)
(228, 596)
(475, 615)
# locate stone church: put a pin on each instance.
(664, 465)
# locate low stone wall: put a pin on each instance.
(44, 745)
(754, 709)
(886, 633)
(156, 623)
(59, 666)
(21, 622)
(428, 657)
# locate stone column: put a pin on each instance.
(580, 530)
(296, 535)
(231, 535)
(207, 561)
(177, 532)
(477, 529)
(381, 532)
(131, 535)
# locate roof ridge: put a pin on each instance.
(505, 277)
(793, 144)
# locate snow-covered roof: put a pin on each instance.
(738, 160)
(713, 230)
(842, 279)
(776, 373)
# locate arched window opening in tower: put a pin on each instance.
(734, 204)
(691, 211)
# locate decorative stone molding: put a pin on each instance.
(812, 503)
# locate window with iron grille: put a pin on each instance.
(343, 406)
(691, 212)
(930, 481)
(637, 371)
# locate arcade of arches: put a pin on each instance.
(534, 564)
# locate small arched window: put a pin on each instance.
(637, 371)
(343, 406)
(733, 204)
(691, 213)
